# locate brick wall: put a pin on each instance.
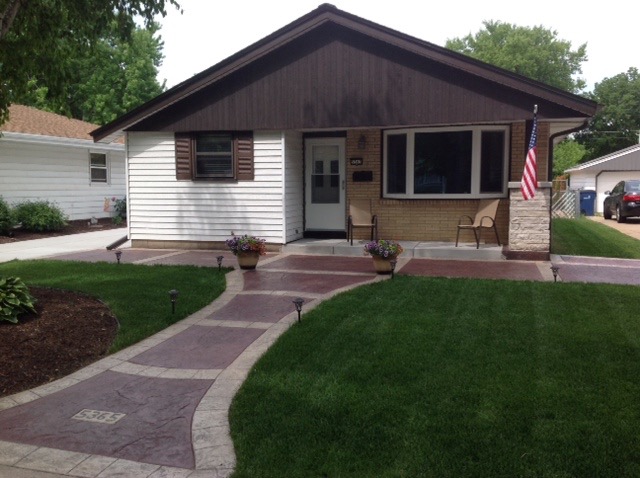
(429, 219)
(519, 146)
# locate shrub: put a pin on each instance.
(15, 299)
(40, 216)
(120, 206)
(7, 220)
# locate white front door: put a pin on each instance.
(325, 183)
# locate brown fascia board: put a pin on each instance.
(329, 13)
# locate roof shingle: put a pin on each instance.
(29, 120)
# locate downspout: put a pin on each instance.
(127, 237)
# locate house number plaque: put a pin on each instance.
(98, 416)
(356, 161)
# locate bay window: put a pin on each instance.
(454, 163)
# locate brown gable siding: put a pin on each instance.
(335, 77)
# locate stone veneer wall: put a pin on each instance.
(530, 223)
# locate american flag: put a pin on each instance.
(529, 182)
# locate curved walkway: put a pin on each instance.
(160, 408)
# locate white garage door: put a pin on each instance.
(607, 180)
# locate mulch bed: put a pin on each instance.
(73, 227)
(69, 331)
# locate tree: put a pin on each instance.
(534, 52)
(37, 37)
(566, 155)
(617, 125)
(114, 77)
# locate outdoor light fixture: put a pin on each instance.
(393, 263)
(362, 142)
(219, 259)
(555, 269)
(298, 301)
(173, 295)
(118, 255)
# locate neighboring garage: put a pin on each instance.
(602, 174)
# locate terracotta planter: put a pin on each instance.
(248, 260)
(383, 264)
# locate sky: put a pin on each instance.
(209, 31)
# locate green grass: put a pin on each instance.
(137, 294)
(432, 377)
(583, 237)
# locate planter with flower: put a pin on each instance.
(247, 249)
(383, 252)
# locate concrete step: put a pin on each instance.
(432, 250)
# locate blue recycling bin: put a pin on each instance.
(587, 202)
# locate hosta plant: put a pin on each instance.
(15, 299)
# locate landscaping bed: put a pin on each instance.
(73, 227)
(69, 330)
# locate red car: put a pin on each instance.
(623, 201)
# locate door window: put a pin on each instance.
(325, 178)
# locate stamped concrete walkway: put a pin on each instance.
(160, 407)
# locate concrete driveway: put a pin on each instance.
(630, 228)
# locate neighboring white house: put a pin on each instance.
(602, 174)
(45, 156)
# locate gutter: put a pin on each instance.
(59, 141)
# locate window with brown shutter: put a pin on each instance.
(214, 156)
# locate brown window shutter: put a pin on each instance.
(184, 143)
(243, 145)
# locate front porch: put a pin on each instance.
(430, 250)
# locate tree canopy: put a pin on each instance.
(37, 38)
(617, 125)
(534, 52)
(113, 77)
(566, 155)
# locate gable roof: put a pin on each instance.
(29, 120)
(329, 21)
(627, 159)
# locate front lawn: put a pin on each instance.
(583, 237)
(433, 377)
(137, 294)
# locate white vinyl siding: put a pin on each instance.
(59, 173)
(162, 208)
(294, 194)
